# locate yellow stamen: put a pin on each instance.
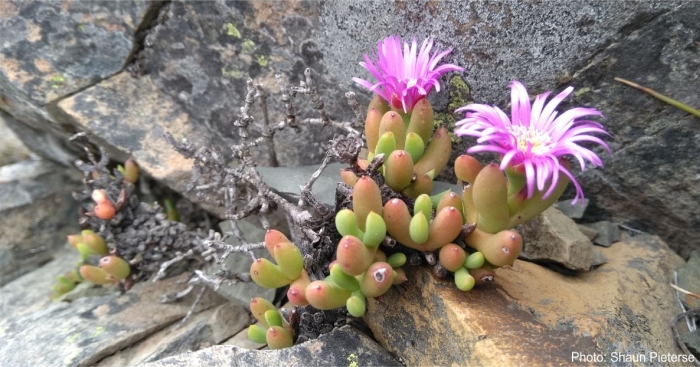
(539, 140)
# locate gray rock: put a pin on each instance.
(89, 329)
(532, 316)
(608, 233)
(587, 231)
(50, 50)
(30, 293)
(198, 56)
(689, 279)
(573, 211)
(288, 181)
(37, 211)
(553, 237)
(341, 347)
(692, 341)
(597, 258)
(11, 148)
(203, 330)
(650, 182)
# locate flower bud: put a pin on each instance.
(399, 276)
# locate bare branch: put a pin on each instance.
(356, 109)
(309, 88)
(290, 119)
(306, 189)
(192, 308)
(267, 134)
(165, 265)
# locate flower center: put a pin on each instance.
(524, 135)
(411, 82)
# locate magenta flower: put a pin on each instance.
(404, 78)
(535, 136)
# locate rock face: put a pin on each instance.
(533, 316)
(89, 329)
(552, 236)
(50, 50)
(57, 62)
(11, 149)
(37, 212)
(342, 347)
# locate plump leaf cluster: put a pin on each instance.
(471, 232)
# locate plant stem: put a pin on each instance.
(660, 96)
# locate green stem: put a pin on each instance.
(660, 96)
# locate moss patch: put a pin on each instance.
(232, 31)
(460, 95)
(248, 46)
(262, 60)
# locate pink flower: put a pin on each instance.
(535, 136)
(404, 78)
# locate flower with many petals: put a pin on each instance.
(535, 136)
(404, 78)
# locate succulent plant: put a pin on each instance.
(272, 329)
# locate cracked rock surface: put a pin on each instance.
(193, 59)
